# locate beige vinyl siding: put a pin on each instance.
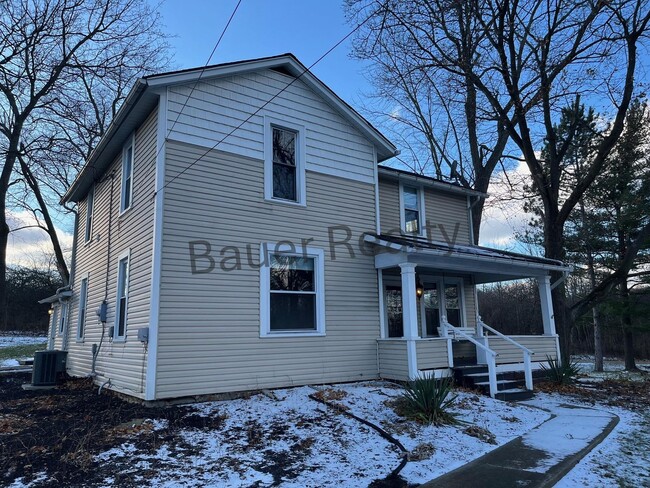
(470, 305)
(121, 362)
(448, 216)
(209, 333)
(389, 210)
(218, 106)
(445, 213)
(542, 346)
(432, 353)
(393, 359)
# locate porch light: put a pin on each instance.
(419, 288)
(50, 311)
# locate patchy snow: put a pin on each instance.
(452, 447)
(286, 438)
(572, 430)
(8, 363)
(290, 440)
(10, 341)
(621, 459)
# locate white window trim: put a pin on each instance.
(62, 319)
(288, 249)
(402, 220)
(125, 254)
(301, 135)
(83, 294)
(129, 144)
(90, 208)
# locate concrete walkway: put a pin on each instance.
(539, 458)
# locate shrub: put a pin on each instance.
(561, 374)
(427, 400)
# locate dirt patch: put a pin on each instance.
(59, 432)
(632, 395)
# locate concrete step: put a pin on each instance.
(514, 395)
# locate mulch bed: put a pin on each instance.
(60, 431)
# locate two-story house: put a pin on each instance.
(235, 231)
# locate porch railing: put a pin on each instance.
(481, 327)
(489, 353)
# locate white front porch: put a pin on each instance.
(430, 321)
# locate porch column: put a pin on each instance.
(410, 316)
(544, 285)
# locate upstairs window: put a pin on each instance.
(284, 164)
(122, 297)
(411, 210)
(90, 203)
(127, 176)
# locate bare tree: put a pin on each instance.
(533, 58)
(435, 113)
(64, 65)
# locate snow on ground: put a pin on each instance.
(290, 440)
(451, 447)
(622, 459)
(295, 441)
(8, 363)
(10, 341)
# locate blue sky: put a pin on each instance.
(306, 28)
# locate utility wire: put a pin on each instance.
(223, 32)
(341, 41)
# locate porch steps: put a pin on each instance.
(511, 385)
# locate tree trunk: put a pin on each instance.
(61, 265)
(628, 333)
(598, 342)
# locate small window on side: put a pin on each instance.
(90, 203)
(127, 177)
(83, 299)
(121, 308)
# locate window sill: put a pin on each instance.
(124, 212)
(291, 334)
(286, 202)
(79, 341)
(119, 340)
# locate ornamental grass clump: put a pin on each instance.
(559, 373)
(428, 401)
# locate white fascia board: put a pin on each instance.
(473, 257)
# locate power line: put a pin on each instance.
(341, 41)
(223, 32)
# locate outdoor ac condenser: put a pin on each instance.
(47, 366)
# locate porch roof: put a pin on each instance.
(484, 264)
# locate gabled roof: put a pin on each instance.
(143, 97)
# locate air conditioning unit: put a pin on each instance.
(47, 366)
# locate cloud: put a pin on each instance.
(504, 213)
(31, 246)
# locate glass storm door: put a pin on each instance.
(394, 311)
(431, 310)
(452, 304)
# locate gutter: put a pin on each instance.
(131, 100)
(410, 249)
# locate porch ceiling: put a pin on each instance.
(485, 265)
